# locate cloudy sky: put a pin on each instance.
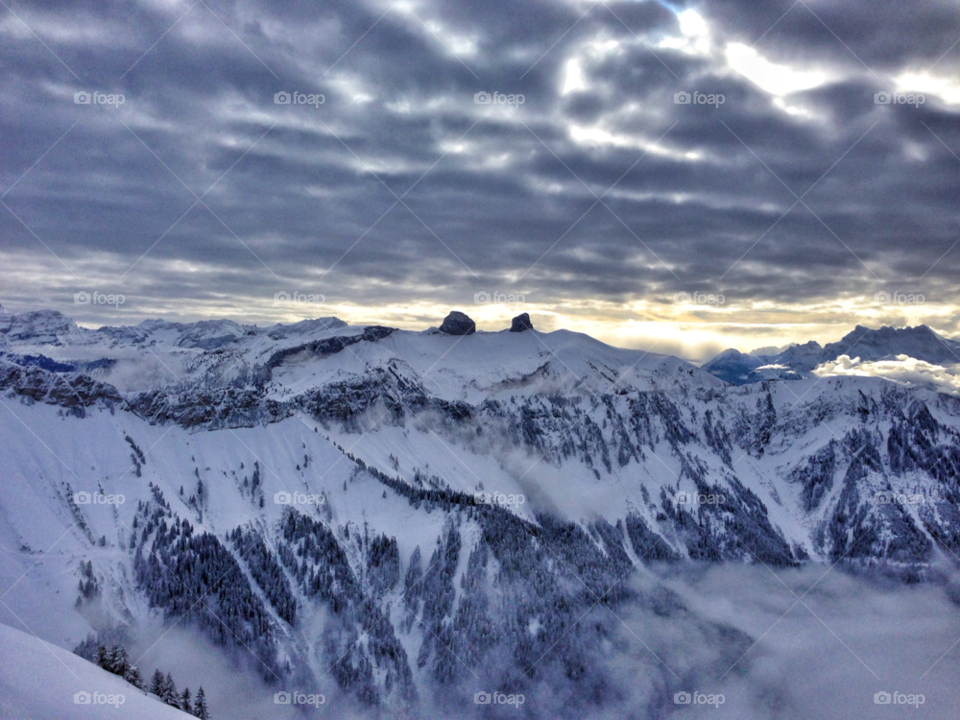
(809, 184)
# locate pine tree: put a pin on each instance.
(101, 657)
(169, 693)
(185, 701)
(132, 676)
(121, 662)
(157, 683)
(110, 659)
(200, 706)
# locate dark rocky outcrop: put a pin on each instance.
(456, 323)
(73, 391)
(520, 323)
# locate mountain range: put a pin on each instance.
(405, 519)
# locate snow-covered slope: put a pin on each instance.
(40, 681)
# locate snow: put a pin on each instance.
(41, 681)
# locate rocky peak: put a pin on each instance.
(456, 323)
(520, 323)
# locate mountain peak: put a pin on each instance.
(919, 342)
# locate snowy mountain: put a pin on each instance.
(399, 520)
(799, 361)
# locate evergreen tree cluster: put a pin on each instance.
(310, 550)
(266, 572)
(114, 659)
(137, 457)
(432, 598)
(88, 587)
(165, 688)
(383, 564)
(196, 577)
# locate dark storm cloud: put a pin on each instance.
(307, 197)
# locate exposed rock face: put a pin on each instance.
(73, 391)
(456, 323)
(521, 323)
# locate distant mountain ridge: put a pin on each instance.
(798, 361)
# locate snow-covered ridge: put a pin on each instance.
(293, 358)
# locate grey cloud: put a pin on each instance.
(301, 194)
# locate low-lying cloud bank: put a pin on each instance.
(904, 370)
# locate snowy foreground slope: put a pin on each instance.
(400, 520)
(39, 681)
